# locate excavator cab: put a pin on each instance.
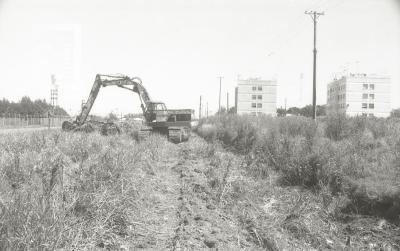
(156, 112)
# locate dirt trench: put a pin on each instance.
(180, 212)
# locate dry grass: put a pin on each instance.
(357, 158)
(71, 191)
(297, 208)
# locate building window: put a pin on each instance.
(365, 96)
(364, 105)
(364, 114)
(253, 105)
(254, 88)
(260, 88)
(365, 86)
(259, 105)
(371, 114)
(372, 86)
(371, 106)
(259, 97)
(372, 96)
(253, 96)
(254, 113)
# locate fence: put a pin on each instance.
(39, 120)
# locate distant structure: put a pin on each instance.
(255, 96)
(360, 94)
(53, 92)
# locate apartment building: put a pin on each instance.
(360, 94)
(255, 96)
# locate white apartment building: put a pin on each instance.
(255, 96)
(360, 94)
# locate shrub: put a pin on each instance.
(333, 154)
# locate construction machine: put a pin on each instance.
(175, 124)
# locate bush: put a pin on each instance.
(334, 154)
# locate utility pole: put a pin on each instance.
(219, 100)
(207, 110)
(285, 107)
(314, 16)
(200, 108)
(54, 92)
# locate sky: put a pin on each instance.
(179, 48)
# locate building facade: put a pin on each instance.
(255, 96)
(360, 94)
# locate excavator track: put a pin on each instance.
(144, 134)
(110, 129)
(178, 134)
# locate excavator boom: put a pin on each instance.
(174, 123)
(132, 84)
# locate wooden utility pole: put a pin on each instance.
(200, 108)
(285, 107)
(314, 16)
(219, 100)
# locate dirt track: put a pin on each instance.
(181, 212)
(185, 208)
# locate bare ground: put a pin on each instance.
(178, 213)
(192, 200)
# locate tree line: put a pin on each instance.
(26, 106)
(305, 111)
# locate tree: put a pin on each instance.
(307, 111)
(28, 107)
(223, 110)
(281, 112)
(395, 113)
(112, 117)
(294, 111)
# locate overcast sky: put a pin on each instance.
(179, 47)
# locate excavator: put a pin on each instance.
(175, 124)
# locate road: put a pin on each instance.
(25, 129)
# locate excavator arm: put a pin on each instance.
(173, 123)
(132, 84)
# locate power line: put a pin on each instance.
(293, 32)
